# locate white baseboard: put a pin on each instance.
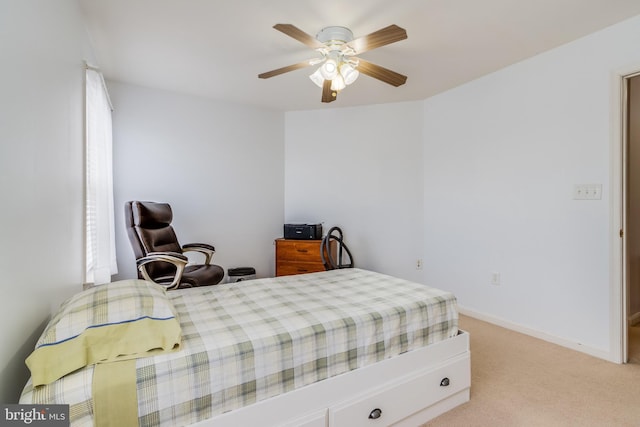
(634, 319)
(592, 351)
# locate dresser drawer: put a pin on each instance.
(298, 250)
(287, 268)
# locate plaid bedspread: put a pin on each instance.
(248, 341)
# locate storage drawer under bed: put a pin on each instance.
(393, 402)
(406, 389)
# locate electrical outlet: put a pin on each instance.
(495, 279)
(418, 264)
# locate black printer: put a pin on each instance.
(303, 231)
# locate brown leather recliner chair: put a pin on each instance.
(159, 256)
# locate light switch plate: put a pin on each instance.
(587, 191)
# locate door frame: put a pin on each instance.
(619, 265)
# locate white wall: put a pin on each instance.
(502, 155)
(43, 44)
(220, 166)
(360, 169)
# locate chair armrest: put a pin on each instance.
(179, 260)
(204, 248)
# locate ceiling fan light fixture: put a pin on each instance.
(329, 69)
(338, 83)
(349, 74)
(317, 78)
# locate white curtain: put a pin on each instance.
(100, 230)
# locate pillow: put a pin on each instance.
(117, 321)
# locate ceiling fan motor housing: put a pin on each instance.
(334, 34)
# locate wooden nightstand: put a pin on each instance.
(298, 256)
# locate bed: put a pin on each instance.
(345, 347)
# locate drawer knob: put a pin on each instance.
(445, 382)
(375, 414)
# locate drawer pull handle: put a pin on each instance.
(303, 250)
(375, 414)
(445, 382)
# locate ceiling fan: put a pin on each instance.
(338, 49)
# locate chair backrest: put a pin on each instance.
(149, 230)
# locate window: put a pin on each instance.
(100, 252)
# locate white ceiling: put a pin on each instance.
(217, 48)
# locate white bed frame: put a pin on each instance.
(408, 390)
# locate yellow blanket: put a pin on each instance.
(115, 401)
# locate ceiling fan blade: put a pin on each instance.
(385, 36)
(286, 69)
(328, 95)
(381, 73)
(298, 34)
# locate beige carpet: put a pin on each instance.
(517, 380)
